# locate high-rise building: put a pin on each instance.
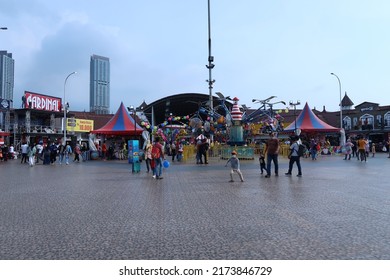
(7, 66)
(99, 85)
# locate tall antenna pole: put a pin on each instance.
(210, 66)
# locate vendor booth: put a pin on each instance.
(121, 125)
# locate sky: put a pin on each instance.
(159, 48)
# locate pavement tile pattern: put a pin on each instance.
(100, 210)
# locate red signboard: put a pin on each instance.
(41, 102)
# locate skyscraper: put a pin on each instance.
(7, 66)
(99, 85)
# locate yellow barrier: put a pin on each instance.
(218, 151)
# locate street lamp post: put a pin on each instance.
(65, 107)
(210, 66)
(341, 106)
(295, 104)
(3, 28)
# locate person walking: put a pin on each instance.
(31, 154)
(67, 152)
(24, 150)
(198, 149)
(348, 149)
(204, 147)
(12, 151)
(148, 157)
(173, 151)
(104, 150)
(180, 151)
(367, 148)
(373, 149)
(361, 143)
(272, 150)
(354, 149)
(262, 162)
(39, 148)
(294, 157)
(61, 153)
(77, 152)
(4, 152)
(158, 157)
(313, 149)
(388, 147)
(84, 152)
(46, 155)
(53, 153)
(234, 166)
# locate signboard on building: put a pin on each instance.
(4, 103)
(79, 125)
(41, 102)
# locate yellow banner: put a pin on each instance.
(79, 125)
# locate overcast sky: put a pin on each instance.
(159, 48)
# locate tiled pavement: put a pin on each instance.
(99, 210)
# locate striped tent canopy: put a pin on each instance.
(120, 124)
(307, 121)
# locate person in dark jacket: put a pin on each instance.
(53, 153)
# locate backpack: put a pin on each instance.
(301, 150)
(156, 153)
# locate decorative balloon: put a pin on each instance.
(196, 123)
(221, 120)
(206, 126)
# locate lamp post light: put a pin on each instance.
(295, 104)
(341, 106)
(65, 106)
(3, 28)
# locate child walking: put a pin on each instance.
(262, 162)
(234, 166)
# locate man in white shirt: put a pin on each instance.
(24, 149)
(294, 156)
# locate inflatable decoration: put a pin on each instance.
(196, 123)
(206, 126)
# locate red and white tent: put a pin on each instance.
(120, 124)
(307, 121)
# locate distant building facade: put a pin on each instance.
(7, 66)
(367, 119)
(99, 85)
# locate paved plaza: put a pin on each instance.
(100, 210)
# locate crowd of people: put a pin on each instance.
(6, 152)
(156, 153)
(362, 149)
(359, 148)
(51, 153)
